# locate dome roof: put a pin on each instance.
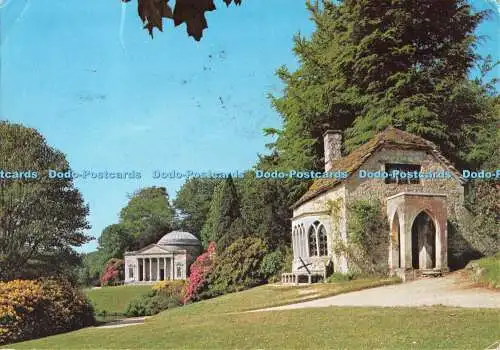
(179, 238)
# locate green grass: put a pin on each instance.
(114, 299)
(219, 324)
(491, 274)
(276, 295)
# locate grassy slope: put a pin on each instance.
(215, 324)
(114, 299)
(491, 275)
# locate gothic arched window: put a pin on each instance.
(302, 241)
(313, 248)
(322, 241)
(317, 240)
(294, 242)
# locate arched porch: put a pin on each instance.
(418, 230)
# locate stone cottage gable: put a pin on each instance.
(352, 162)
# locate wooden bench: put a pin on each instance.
(293, 277)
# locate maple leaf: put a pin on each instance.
(152, 13)
(192, 12)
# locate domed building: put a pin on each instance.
(168, 259)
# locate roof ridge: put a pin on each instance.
(354, 160)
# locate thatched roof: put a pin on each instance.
(352, 162)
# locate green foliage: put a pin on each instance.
(223, 223)
(238, 267)
(483, 226)
(155, 229)
(341, 277)
(41, 219)
(193, 201)
(368, 241)
(486, 271)
(138, 307)
(374, 63)
(32, 309)
(146, 207)
(275, 262)
(151, 304)
(114, 241)
(265, 209)
(88, 274)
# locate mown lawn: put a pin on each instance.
(114, 299)
(220, 324)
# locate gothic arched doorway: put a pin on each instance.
(423, 242)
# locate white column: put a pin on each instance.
(157, 269)
(172, 277)
(438, 247)
(143, 269)
(164, 268)
(136, 269)
(150, 270)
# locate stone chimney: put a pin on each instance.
(332, 140)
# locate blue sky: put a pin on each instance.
(91, 80)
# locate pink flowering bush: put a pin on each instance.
(198, 273)
(113, 272)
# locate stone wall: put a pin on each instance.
(357, 188)
(318, 209)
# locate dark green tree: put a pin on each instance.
(147, 207)
(114, 241)
(374, 63)
(224, 221)
(41, 219)
(89, 272)
(155, 230)
(265, 209)
(193, 202)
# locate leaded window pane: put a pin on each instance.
(313, 250)
(323, 242)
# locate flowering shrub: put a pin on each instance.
(199, 271)
(170, 289)
(113, 273)
(32, 309)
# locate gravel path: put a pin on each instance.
(451, 290)
(132, 321)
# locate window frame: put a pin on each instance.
(404, 167)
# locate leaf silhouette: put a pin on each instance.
(191, 12)
(152, 12)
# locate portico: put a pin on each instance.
(155, 268)
(169, 259)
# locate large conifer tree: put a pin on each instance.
(374, 63)
(224, 218)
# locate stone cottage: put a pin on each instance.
(417, 207)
